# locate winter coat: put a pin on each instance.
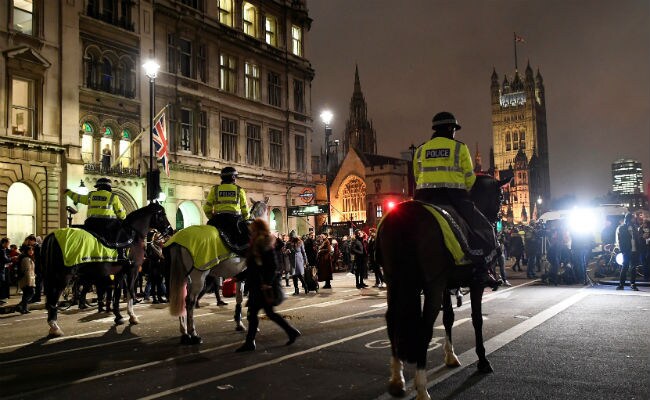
(324, 264)
(310, 250)
(259, 270)
(295, 249)
(28, 271)
(516, 246)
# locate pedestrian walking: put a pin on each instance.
(27, 282)
(360, 251)
(324, 263)
(627, 240)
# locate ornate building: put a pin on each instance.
(520, 144)
(234, 85)
(359, 133)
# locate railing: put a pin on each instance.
(96, 168)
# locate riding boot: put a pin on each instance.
(484, 276)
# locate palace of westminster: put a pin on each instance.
(235, 86)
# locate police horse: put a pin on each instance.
(57, 274)
(187, 278)
(416, 261)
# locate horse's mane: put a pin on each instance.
(142, 212)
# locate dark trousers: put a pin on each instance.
(234, 228)
(481, 235)
(379, 276)
(630, 260)
(254, 321)
(28, 292)
(359, 269)
(532, 265)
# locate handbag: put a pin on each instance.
(274, 296)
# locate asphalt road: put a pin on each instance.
(544, 342)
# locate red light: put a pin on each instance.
(391, 205)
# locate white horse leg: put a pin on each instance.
(195, 284)
(239, 299)
(451, 360)
(421, 385)
(55, 331)
(183, 325)
(396, 384)
(133, 319)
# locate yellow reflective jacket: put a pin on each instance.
(101, 203)
(443, 163)
(226, 198)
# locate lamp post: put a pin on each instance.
(326, 117)
(151, 70)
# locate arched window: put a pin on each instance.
(508, 142)
(354, 200)
(190, 214)
(125, 151)
(522, 139)
(276, 221)
(90, 66)
(515, 141)
(107, 75)
(87, 143)
(21, 212)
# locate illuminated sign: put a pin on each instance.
(307, 195)
(305, 211)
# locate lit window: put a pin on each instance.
(253, 144)
(227, 73)
(24, 16)
(300, 153)
(87, 146)
(225, 12)
(23, 106)
(250, 19)
(252, 81)
(271, 28)
(354, 200)
(379, 211)
(125, 150)
(275, 149)
(296, 40)
(228, 139)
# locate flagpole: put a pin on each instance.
(137, 137)
(514, 42)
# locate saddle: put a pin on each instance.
(110, 233)
(233, 232)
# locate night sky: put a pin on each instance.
(419, 57)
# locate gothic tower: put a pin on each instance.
(359, 133)
(519, 135)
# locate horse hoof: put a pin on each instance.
(452, 361)
(119, 321)
(484, 366)
(133, 320)
(196, 340)
(396, 389)
(240, 328)
(55, 332)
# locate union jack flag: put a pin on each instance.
(160, 142)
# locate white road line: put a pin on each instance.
(495, 343)
(258, 365)
(376, 308)
(54, 340)
(68, 351)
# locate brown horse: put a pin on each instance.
(416, 261)
(57, 275)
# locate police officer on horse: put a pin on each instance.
(444, 175)
(227, 211)
(105, 214)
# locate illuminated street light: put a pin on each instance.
(326, 116)
(151, 68)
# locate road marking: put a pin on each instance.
(456, 323)
(68, 351)
(258, 365)
(469, 357)
(376, 308)
(54, 340)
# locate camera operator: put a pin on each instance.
(581, 244)
(533, 250)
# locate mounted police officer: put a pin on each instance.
(105, 214)
(444, 175)
(227, 210)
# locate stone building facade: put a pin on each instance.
(234, 84)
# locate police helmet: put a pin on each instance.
(103, 183)
(444, 119)
(228, 172)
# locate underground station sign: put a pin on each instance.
(305, 211)
(307, 195)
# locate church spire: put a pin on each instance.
(477, 160)
(357, 82)
(359, 132)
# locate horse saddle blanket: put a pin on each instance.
(204, 244)
(79, 246)
(454, 230)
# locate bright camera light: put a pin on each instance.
(583, 220)
(619, 259)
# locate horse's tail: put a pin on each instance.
(411, 255)
(178, 279)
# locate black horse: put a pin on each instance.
(415, 260)
(57, 275)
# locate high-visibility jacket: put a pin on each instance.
(443, 163)
(226, 198)
(101, 203)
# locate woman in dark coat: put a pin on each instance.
(260, 274)
(324, 264)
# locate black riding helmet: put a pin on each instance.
(228, 174)
(104, 184)
(443, 121)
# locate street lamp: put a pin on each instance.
(151, 68)
(326, 117)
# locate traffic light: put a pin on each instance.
(153, 185)
(390, 204)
